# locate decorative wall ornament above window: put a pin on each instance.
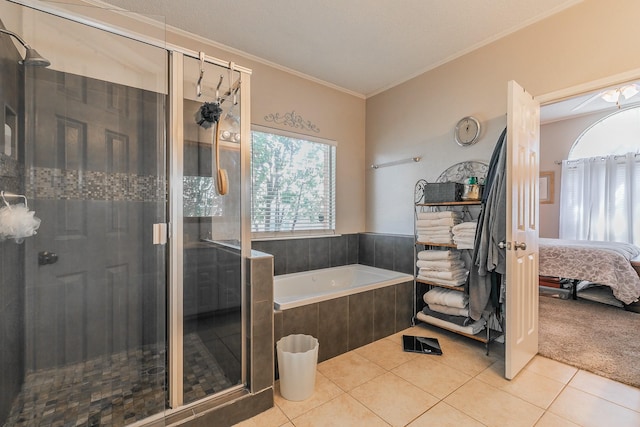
(293, 120)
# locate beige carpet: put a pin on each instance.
(592, 336)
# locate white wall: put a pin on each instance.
(586, 42)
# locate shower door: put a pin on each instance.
(94, 159)
(91, 158)
(210, 217)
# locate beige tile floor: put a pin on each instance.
(380, 385)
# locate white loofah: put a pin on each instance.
(17, 222)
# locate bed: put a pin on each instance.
(614, 264)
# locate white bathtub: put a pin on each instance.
(308, 287)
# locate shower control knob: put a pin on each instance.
(45, 258)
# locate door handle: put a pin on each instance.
(521, 245)
(503, 245)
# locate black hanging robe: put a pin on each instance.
(488, 260)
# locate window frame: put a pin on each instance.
(287, 234)
(571, 155)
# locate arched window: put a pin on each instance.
(617, 134)
(600, 186)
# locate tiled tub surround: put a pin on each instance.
(388, 251)
(349, 322)
(391, 252)
(295, 255)
(352, 321)
(258, 396)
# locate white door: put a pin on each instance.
(523, 143)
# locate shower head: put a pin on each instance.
(31, 57)
(34, 59)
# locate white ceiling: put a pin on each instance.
(360, 46)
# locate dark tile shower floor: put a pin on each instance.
(113, 390)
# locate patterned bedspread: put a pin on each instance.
(605, 263)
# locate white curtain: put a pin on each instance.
(600, 199)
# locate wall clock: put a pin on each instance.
(467, 131)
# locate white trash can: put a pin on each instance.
(297, 360)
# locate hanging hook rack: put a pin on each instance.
(4, 196)
(199, 84)
(218, 88)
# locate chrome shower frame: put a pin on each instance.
(176, 173)
(175, 145)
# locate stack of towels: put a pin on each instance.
(441, 267)
(464, 234)
(449, 309)
(435, 227)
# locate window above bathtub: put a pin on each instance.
(293, 184)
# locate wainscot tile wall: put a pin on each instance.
(392, 252)
(260, 358)
(349, 322)
(388, 251)
(352, 321)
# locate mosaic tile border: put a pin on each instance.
(65, 184)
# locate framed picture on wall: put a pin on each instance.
(546, 187)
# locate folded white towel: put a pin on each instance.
(448, 297)
(435, 229)
(437, 215)
(472, 329)
(454, 311)
(442, 240)
(465, 245)
(440, 265)
(436, 222)
(471, 225)
(438, 255)
(446, 282)
(465, 234)
(464, 240)
(438, 235)
(457, 274)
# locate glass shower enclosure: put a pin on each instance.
(209, 209)
(127, 305)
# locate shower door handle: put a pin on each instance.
(46, 258)
(160, 233)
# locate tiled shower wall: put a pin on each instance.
(11, 254)
(93, 178)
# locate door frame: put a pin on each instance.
(583, 88)
(572, 91)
